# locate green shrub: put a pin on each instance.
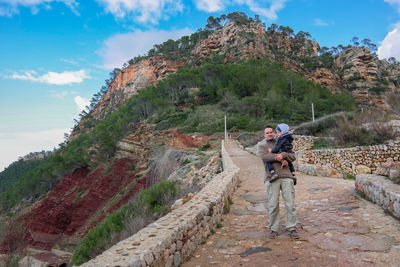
(205, 146)
(323, 143)
(349, 176)
(150, 204)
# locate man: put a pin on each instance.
(283, 183)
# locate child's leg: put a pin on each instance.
(269, 166)
(291, 167)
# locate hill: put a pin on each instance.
(233, 67)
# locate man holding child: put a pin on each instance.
(283, 179)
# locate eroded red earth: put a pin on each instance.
(83, 198)
(69, 206)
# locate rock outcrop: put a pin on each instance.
(133, 78)
(235, 42)
(356, 69)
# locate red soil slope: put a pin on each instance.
(71, 203)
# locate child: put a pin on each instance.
(283, 144)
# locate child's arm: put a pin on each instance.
(279, 143)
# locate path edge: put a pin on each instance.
(172, 239)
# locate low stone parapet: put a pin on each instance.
(173, 238)
(381, 191)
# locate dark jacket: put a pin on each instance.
(283, 144)
(262, 152)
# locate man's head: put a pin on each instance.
(269, 132)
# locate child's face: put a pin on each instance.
(278, 133)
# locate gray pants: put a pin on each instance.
(273, 192)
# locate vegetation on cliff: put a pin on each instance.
(250, 93)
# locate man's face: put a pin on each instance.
(269, 133)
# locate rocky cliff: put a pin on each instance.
(131, 79)
(356, 69)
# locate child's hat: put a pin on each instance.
(283, 128)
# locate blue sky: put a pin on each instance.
(55, 54)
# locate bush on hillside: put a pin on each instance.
(150, 204)
(361, 129)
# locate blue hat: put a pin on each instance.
(283, 128)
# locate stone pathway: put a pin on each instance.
(337, 227)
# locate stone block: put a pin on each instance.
(362, 169)
(394, 174)
(177, 259)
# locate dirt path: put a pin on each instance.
(337, 228)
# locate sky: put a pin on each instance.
(55, 54)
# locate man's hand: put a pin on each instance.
(278, 157)
(284, 163)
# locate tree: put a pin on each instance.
(273, 28)
(392, 60)
(325, 50)
(334, 50)
(368, 43)
(355, 41)
(341, 48)
(213, 23)
(302, 35)
(287, 30)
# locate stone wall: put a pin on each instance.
(355, 160)
(303, 142)
(173, 238)
(381, 191)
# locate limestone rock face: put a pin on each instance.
(357, 60)
(135, 77)
(326, 78)
(235, 42)
(367, 77)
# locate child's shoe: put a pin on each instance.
(294, 179)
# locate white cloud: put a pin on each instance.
(11, 7)
(395, 3)
(142, 10)
(14, 145)
(81, 103)
(390, 46)
(210, 5)
(270, 12)
(58, 95)
(319, 22)
(66, 77)
(120, 48)
(69, 61)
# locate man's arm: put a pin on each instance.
(262, 152)
(285, 156)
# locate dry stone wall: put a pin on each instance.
(173, 238)
(355, 160)
(381, 191)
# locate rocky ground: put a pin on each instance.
(337, 228)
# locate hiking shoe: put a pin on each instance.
(294, 234)
(273, 235)
(274, 176)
